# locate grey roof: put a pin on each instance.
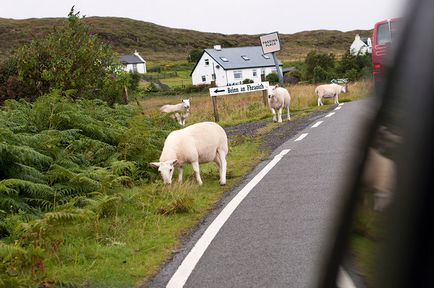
(364, 40)
(235, 61)
(130, 59)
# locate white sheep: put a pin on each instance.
(199, 143)
(181, 117)
(329, 91)
(278, 98)
(183, 106)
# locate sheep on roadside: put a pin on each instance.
(278, 98)
(199, 143)
(183, 106)
(181, 117)
(329, 91)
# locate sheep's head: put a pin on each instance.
(166, 169)
(186, 103)
(345, 89)
(271, 92)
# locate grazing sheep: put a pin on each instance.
(329, 91)
(181, 117)
(183, 106)
(199, 143)
(278, 98)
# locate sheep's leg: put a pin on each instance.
(319, 101)
(279, 115)
(180, 173)
(222, 167)
(195, 166)
(289, 115)
(337, 99)
(274, 114)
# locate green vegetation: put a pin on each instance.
(79, 204)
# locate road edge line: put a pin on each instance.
(181, 275)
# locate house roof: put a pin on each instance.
(130, 59)
(364, 40)
(241, 57)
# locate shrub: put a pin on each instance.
(247, 81)
(73, 61)
(320, 63)
(272, 78)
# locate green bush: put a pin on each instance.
(73, 61)
(57, 149)
(272, 78)
(247, 81)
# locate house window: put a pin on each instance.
(255, 73)
(206, 62)
(238, 74)
(203, 79)
(134, 68)
(265, 56)
(245, 58)
(224, 59)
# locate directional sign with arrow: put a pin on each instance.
(236, 89)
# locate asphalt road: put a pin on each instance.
(276, 236)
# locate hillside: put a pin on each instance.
(160, 44)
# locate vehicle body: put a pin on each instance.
(384, 37)
(398, 238)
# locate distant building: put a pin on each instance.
(231, 66)
(361, 46)
(134, 63)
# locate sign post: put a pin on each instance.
(236, 89)
(270, 44)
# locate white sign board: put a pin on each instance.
(235, 89)
(270, 43)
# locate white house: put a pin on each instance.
(361, 46)
(134, 63)
(229, 66)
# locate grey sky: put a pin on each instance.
(223, 16)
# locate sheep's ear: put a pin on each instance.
(155, 164)
(174, 162)
(277, 85)
(190, 99)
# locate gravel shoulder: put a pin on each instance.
(278, 134)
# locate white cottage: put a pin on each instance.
(361, 46)
(229, 66)
(133, 63)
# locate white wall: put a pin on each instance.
(141, 68)
(202, 69)
(223, 77)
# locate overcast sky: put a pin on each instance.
(223, 16)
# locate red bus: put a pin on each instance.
(385, 35)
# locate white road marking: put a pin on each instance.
(301, 137)
(344, 280)
(330, 114)
(317, 124)
(338, 108)
(341, 104)
(184, 270)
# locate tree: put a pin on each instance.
(72, 60)
(195, 55)
(272, 78)
(324, 64)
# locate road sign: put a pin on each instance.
(270, 43)
(235, 89)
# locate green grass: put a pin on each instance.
(125, 249)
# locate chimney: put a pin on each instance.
(217, 47)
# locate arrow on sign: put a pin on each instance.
(218, 91)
